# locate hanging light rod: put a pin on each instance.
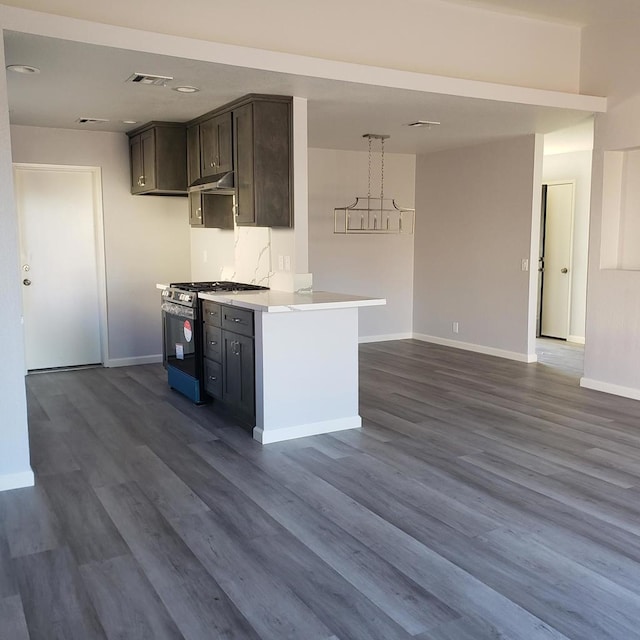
(375, 136)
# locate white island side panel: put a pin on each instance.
(306, 373)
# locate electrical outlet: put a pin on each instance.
(524, 265)
(455, 327)
(287, 263)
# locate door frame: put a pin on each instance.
(99, 244)
(543, 233)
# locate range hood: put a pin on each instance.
(221, 183)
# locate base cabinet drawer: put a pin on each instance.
(213, 343)
(213, 378)
(237, 320)
(212, 313)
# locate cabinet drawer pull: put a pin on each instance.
(212, 342)
(212, 378)
(237, 319)
(213, 313)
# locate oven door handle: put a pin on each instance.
(173, 309)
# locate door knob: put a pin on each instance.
(26, 282)
(564, 270)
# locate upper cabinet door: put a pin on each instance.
(158, 159)
(243, 135)
(262, 135)
(215, 146)
(193, 154)
(137, 167)
(148, 143)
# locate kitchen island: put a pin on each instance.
(306, 360)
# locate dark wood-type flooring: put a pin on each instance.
(483, 499)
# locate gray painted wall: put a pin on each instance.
(369, 265)
(473, 228)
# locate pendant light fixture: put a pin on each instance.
(373, 214)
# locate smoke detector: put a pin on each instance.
(91, 120)
(149, 79)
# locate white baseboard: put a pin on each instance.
(576, 339)
(129, 362)
(17, 480)
(267, 436)
(478, 348)
(607, 387)
(385, 337)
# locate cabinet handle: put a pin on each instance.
(212, 378)
(141, 181)
(212, 342)
(237, 319)
(199, 212)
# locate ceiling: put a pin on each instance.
(576, 12)
(85, 80)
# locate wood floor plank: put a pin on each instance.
(29, 521)
(13, 625)
(166, 491)
(127, 605)
(195, 601)
(55, 602)
(87, 528)
(270, 606)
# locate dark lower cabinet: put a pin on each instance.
(229, 364)
(238, 372)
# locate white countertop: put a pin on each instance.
(272, 301)
(280, 301)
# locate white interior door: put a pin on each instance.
(56, 210)
(556, 283)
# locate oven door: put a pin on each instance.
(180, 339)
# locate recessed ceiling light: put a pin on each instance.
(23, 68)
(129, 122)
(423, 123)
(186, 89)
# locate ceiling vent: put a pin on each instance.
(91, 120)
(147, 78)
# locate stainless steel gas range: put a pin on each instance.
(182, 350)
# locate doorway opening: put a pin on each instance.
(563, 250)
(62, 265)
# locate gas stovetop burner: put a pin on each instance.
(217, 285)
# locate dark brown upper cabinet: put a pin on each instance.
(211, 210)
(158, 159)
(262, 159)
(193, 154)
(216, 153)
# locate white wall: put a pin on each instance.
(377, 266)
(146, 237)
(14, 440)
(612, 352)
(575, 166)
(428, 36)
(473, 228)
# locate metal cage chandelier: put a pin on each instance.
(373, 214)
